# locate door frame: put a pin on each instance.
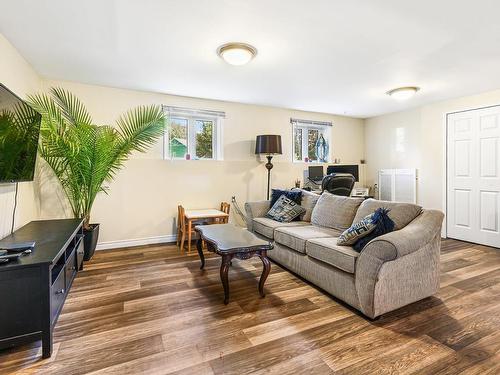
(444, 231)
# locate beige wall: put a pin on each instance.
(143, 199)
(144, 196)
(419, 143)
(19, 77)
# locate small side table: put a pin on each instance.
(230, 241)
(197, 215)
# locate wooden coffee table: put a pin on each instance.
(230, 241)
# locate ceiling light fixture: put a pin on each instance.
(403, 93)
(237, 53)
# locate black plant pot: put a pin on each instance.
(90, 241)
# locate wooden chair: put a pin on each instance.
(183, 228)
(225, 207)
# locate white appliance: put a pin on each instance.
(399, 185)
(360, 192)
(473, 176)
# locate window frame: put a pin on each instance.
(305, 126)
(191, 135)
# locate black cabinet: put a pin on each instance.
(33, 289)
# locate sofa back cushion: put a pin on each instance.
(335, 211)
(400, 213)
(308, 201)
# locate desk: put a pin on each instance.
(202, 214)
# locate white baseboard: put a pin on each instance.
(136, 242)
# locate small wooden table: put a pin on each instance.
(230, 241)
(201, 214)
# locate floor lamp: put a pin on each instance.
(269, 145)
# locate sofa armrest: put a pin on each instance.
(423, 231)
(255, 209)
(399, 243)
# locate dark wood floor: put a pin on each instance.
(151, 310)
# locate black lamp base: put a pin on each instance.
(269, 166)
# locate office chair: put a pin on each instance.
(338, 183)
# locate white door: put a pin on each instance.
(473, 168)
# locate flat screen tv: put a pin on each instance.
(19, 131)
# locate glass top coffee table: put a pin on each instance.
(230, 241)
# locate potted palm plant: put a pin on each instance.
(85, 156)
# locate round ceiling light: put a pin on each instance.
(403, 93)
(237, 53)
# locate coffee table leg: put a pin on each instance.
(224, 268)
(265, 272)
(199, 246)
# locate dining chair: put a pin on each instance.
(225, 207)
(183, 227)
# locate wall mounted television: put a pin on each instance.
(19, 131)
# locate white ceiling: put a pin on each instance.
(332, 56)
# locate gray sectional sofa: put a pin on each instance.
(392, 270)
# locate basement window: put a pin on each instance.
(193, 134)
(311, 141)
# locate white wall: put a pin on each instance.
(143, 199)
(416, 138)
(19, 77)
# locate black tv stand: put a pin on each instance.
(34, 287)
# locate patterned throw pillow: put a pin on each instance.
(285, 210)
(357, 231)
(384, 225)
(294, 195)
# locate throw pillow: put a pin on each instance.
(294, 195)
(308, 201)
(358, 230)
(384, 225)
(285, 210)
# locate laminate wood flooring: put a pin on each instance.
(151, 310)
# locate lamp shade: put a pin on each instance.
(268, 144)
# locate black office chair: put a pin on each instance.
(338, 183)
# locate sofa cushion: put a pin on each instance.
(309, 200)
(400, 213)
(327, 251)
(266, 226)
(335, 211)
(296, 237)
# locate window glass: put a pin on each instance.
(312, 138)
(178, 140)
(297, 139)
(204, 139)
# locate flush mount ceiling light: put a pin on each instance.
(403, 93)
(236, 53)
